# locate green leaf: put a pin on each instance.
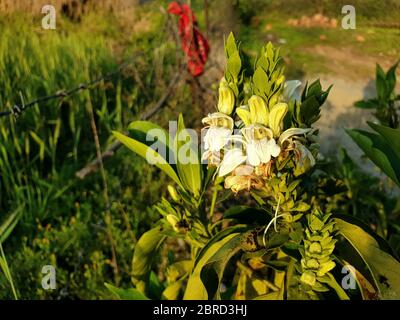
(150, 133)
(377, 149)
(234, 65)
(392, 136)
(218, 237)
(391, 78)
(361, 224)
(381, 85)
(367, 104)
(314, 89)
(260, 80)
(155, 287)
(9, 224)
(331, 281)
(126, 294)
(213, 271)
(384, 268)
(310, 110)
(196, 289)
(230, 45)
(143, 255)
(188, 165)
(149, 154)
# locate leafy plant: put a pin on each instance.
(285, 241)
(382, 146)
(386, 104)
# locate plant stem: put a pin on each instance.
(213, 201)
(107, 217)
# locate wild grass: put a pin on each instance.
(62, 218)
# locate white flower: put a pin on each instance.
(216, 138)
(220, 126)
(260, 147)
(261, 151)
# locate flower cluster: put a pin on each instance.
(317, 258)
(252, 136)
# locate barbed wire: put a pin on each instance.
(18, 109)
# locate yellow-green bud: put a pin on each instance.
(173, 193)
(325, 268)
(226, 99)
(315, 247)
(309, 278)
(312, 264)
(258, 110)
(173, 220)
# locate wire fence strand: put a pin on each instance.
(18, 109)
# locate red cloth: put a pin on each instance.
(194, 44)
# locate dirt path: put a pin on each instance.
(347, 63)
(339, 114)
(352, 76)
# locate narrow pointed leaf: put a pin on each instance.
(147, 153)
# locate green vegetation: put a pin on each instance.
(62, 219)
(371, 37)
(102, 232)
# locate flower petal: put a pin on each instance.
(292, 132)
(273, 148)
(243, 170)
(263, 151)
(258, 110)
(276, 116)
(232, 159)
(216, 138)
(244, 115)
(219, 119)
(252, 154)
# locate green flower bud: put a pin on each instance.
(308, 278)
(325, 268)
(226, 99)
(315, 247)
(312, 264)
(173, 221)
(173, 193)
